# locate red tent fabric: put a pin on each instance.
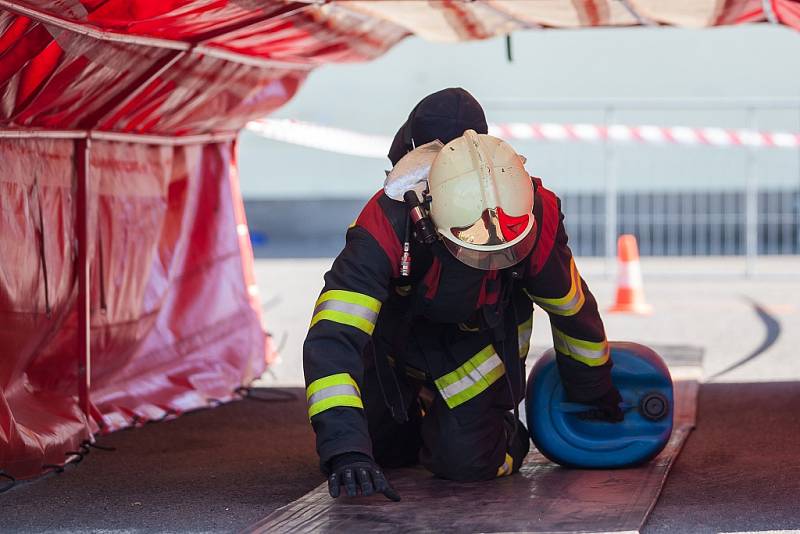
(171, 324)
(126, 282)
(174, 316)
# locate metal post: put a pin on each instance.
(751, 203)
(82, 237)
(610, 179)
(796, 206)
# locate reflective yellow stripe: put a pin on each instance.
(344, 318)
(524, 332)
(330, 380)
(507, 468)
(332, 391)
(351, 297)
(592, 353)
(571, 303)
(472, 378)
(333, 402)
(347, 307)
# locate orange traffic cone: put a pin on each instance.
(630, 291)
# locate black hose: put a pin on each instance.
(271, 395)
(12, 481)
(99, 447)
(55, 467)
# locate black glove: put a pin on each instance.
(356, 471)
(606, 408)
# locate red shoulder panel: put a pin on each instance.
(549, 227)
(374, 220)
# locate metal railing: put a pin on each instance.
(744, 217)
(703, 223)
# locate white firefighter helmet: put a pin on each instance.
(482, 201)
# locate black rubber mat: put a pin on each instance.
(214, 470)
(542, 498)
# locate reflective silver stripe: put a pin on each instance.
(560, 306)
(586, 353)
(492, 363)
(346, 307)
(332, 391)
(585, 350)
(566, 307)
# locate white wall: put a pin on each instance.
(752, 61)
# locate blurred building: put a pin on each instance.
(678, 200)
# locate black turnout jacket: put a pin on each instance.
(446, 318)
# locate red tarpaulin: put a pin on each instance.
(171, 322)
(121, 220)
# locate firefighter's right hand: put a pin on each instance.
(360, 475)
(606, 408)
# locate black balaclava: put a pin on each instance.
(443, 115)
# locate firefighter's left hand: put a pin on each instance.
(606, 408)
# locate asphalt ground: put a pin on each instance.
(223, 469)
(740, 469)
(215, 470)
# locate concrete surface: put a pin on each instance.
(698, 302)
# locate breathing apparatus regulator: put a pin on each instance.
(423, 229)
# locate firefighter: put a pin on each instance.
(417, 344)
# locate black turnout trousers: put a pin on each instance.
(463, 448)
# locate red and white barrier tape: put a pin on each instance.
(376, 146)
(677, 135)
(322, 137)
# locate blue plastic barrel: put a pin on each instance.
(562, 436)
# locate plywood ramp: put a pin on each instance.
(541, 498)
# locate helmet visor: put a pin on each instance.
(493, 227)
(493, 257)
